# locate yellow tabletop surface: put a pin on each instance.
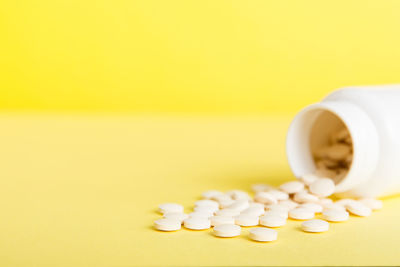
(82, 190)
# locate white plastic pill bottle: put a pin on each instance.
(371, 116)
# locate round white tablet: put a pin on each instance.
(265, 198)
(333, 206)
(281, 213)
(304, 197)
(226, 203)
(238, 195)
(239, 205)
(222, 198)
(323, 187)
(343, 202)
(255, 204)
(335, 215)
(317, 208)
(176, 215)
(308, 179)
(372, 203)
(289, 203)
(246, 220)
(315, 226)
(167, 224)
(292, 187)
(280, 207)
(262, 234)
(255, 211)
(170, 207)
(200, 214)
(359, 209)
(217, 220)
(301, 214)
(227, 212)
(227, 230)
(272, 220)
(207, 203)
(278, 194)
(197, 223)
(209, 209)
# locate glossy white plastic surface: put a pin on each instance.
(372, 116)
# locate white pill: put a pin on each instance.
(167, 224)
(279, 195)
(279, 207)
(335, 215)
(308, 179)
(227, 212)
(301, 214)
(374, 204)
(280, 213)
(338, 151)
(170, 207)
(176, 215)
(227, 230)
(239, 205)
(290, 204)
(323, 187)
(343, 202)
(262, 234)
(222, 198)
(292, 187)
(333, 206)
(210, 194)
(207, 203)
(255, 204)
(217, 220)
(260, 187)
(238, 195)
(315, 226)
(208, 209)
(197, 223)
(316, 208)
(246, 220)
(265, 198)
(201, 214)
(255, 211)
(359, 209)
(272, 220)
(226, 203)
(304, 197)
(325, 201)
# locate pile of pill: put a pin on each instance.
(270, 207)
(334, 159)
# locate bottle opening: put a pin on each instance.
(331, 146)
(319, 142)
(336, 140)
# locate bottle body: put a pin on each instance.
(371, 115)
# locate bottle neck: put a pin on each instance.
(365, 141)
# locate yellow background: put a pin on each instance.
(192, 56)
(161, 81)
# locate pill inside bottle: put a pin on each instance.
(326, 146)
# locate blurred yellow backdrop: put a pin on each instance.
(192, 56)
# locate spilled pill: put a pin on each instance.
(262, 234)
(167, 224)
(197, 223)
(315, 226)
(227, 230)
